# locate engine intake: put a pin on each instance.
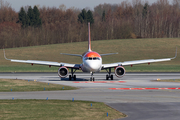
(120, 71)
(63, 72)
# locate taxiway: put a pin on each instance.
(137, 104)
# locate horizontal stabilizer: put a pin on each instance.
(108, 54)
(71, 54)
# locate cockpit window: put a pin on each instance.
(92, 58)
(98, 58)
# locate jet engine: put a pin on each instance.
(63, 72)
(120, 71)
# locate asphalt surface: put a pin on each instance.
(137, 104)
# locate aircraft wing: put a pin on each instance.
(49, 63)
(126, 63)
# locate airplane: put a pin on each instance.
(91, 63)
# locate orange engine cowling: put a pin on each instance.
(120, 71)
(63, 72)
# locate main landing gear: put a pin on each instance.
(92, 78)
(72, 76)
(109, 75)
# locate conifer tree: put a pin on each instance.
(145, 10)
(85, 17)
(31, 16)
(37, 20)
(90, 17)
(22, 17)
(82, 17)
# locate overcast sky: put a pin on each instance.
(17, 4)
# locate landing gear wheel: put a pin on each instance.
(74, 77)
(92, 78)
(111, 77)
(70, 77)
(107, 77)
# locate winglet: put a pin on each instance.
(89, 37)
(175, 54)
(5, 54)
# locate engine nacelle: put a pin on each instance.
(120, 71)
(63, 72)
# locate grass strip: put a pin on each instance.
(6, 85)
(56, 110)
(173, 80)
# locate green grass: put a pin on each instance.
(24, 85)
(56, 110)
(128, 49)
(174, 80)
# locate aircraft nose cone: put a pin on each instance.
(94, 67)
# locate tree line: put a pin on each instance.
(31, 18)
(45, 25)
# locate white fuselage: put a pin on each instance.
(91, 63)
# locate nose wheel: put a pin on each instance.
(92, 77)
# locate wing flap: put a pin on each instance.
(47, 63)
(126, 63)
(144, 61)
(37, 62)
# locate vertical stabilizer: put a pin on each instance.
(89, 37)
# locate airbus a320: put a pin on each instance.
(91, 63)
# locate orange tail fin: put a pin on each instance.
(89, 39)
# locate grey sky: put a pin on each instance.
(17, 4)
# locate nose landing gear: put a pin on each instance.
(92, 78)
